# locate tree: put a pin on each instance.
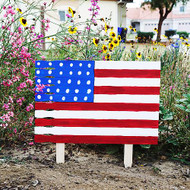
(164, 7)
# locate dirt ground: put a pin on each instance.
(86, 168)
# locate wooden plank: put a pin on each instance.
(128, 155)
(60, 153)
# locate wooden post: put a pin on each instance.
(128, 155)
(42, 26)
(60, 153)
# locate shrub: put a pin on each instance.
(20, 46)
(170, 33)
(144, 37)
(183, 34)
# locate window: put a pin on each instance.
(62, 15)
(182, 9)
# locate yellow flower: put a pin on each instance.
(102, 19)
(95, 41)
(106, 27)
(139, 55)
(130, 27)
(156, 30)
(23, 21)
(164, 36)
(52, 39)
(115, 41)
(19, 10)
(112, 28)
(119, 37)
(104, 48)
(71, 11)
(108, 57)
(187, 44)
(112, 34)
(155, 49)
(134, 29)
(111, 46)
(154, 42)
(72, 30)
(136, 37)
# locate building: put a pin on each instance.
(114, 9)
(145, 20)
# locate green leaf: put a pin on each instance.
(180, 107)
(163, 128)
(168, 116)
(147, 146)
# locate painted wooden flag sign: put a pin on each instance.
(115, 102)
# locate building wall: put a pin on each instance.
(179, 20)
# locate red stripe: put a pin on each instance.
(97, 106)
(95, 139)
(97, 123)
(126, 90)
(127, 73)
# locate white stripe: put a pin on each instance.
(124, 98)
(96, 131)
(153, 82)
(139, 65)
(97, 114)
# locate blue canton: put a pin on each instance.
(65, 81)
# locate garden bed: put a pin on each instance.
(87, 167)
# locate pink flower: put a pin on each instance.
(40, 87)
(11, 114)
(68, 16)
(189, 76)
(6, 106)
(5, 117)
(31, 119)
(22, 85)
(30, 107)
(15, 130)
(31, 143)
(10, 99)
(29, 81)
(43, 57)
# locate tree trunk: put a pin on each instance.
(159, 28)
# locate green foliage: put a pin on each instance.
(170, 33)
(144, 37)
(183, 34)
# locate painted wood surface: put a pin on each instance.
(114, 102)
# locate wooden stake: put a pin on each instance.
(128, 155)
(60, 153)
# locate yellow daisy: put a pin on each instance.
(115, 41)
(134, 29)
(95, 41)
(112, 34)
(111, 46)
(70, 10)
(156, 30)
(23, 21)
(72, 30)
(19, 10)
(106, 27)
(119, 37)
(104, 48)
(139, 55)
(130, 27)
(108, 57)
(155, 49)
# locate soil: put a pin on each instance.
(87, 167)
